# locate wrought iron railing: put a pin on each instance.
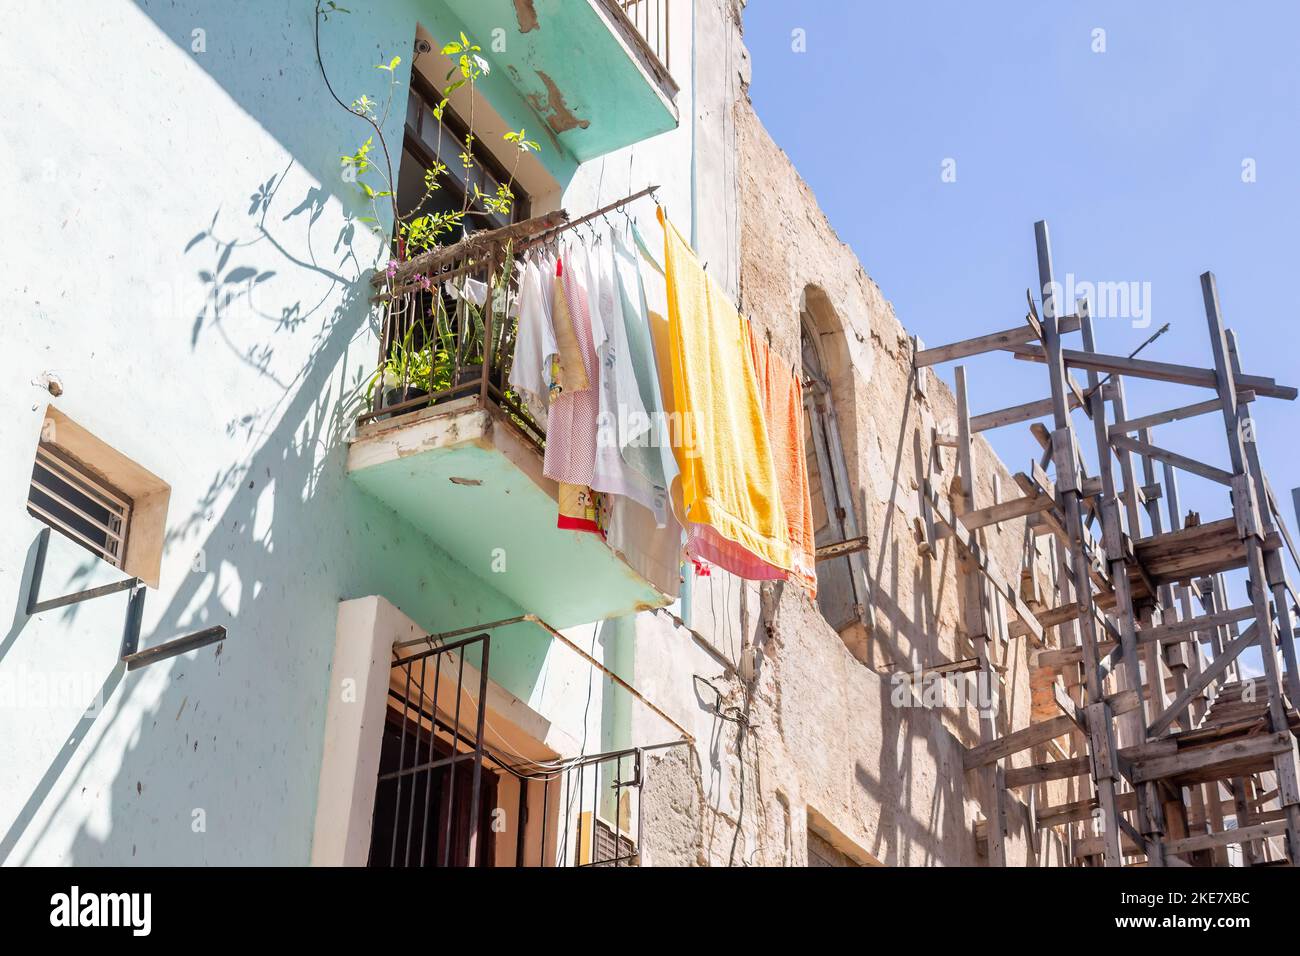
(650, 20)
(449, 325)
(446, 797)
(453, 790)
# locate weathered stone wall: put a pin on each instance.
(824, 739)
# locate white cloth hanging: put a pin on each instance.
(530, 372)
(625, 459)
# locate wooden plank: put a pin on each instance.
(1012, 415)
(1080, 810)
(1045, 772)
(1173, 458)
(980, 344)
(996, 835)
(1173, 415)
(1228, 753)
(965, 453)
(1156, 371)
(1017, 741)
(1197, 684)
(1179, 631)
(1195, 552)
(1208, 841)
(1006, 511)
(970, 548)
(948, 667)
(840, 548)
(1052, 617)
(1068, 707)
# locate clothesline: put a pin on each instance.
(673, 430)
(476, 252)
(610, 374)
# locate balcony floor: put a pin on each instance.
(462, 475)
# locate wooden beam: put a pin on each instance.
(1044, 772)
(1011, 415)
(1069, 708)
(1204, 758)
(1174, 415)
(1156, 371)
(1179, 631)
(991, 342)
(1080, 810)
(1005, 511)
(948, 667)
(1052, 617)
(1017, 741)
(1173, 458)
(1208, 841)
(839, 549)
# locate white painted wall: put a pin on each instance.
(150, 179)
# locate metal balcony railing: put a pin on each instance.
(647, 27)
(449, 323)
(449, 327)
(440, 778)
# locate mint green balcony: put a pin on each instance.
(468, 477)
(595, 72)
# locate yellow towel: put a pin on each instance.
(729, 478)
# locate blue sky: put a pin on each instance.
(1133, 155)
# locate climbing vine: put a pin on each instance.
(413, 231)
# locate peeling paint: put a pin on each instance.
(561, 118)
(472, 482)
(526, 14)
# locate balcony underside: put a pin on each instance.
(580, 66)
(465, 477)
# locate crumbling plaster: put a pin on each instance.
(823, 734)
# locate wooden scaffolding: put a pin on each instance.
(1176, 755)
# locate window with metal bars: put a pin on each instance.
(72, 500)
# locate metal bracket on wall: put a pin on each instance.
(131, 655)
(35, 605)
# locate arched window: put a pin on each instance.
(843, 591)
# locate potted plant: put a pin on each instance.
(406, 374)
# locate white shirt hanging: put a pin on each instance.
(534, 343)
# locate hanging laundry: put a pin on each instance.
(586, 259)
(646, 452)
(569, 371)
(728, 476)
(580, 509)
(654, 553)
(474, 291)
(623, 424)
(654, 306)
(570, 455)
(535, 346)
(706, 543)
(782, 396)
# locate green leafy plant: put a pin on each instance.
(455, 341)
(419, 233)
(407, 366)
